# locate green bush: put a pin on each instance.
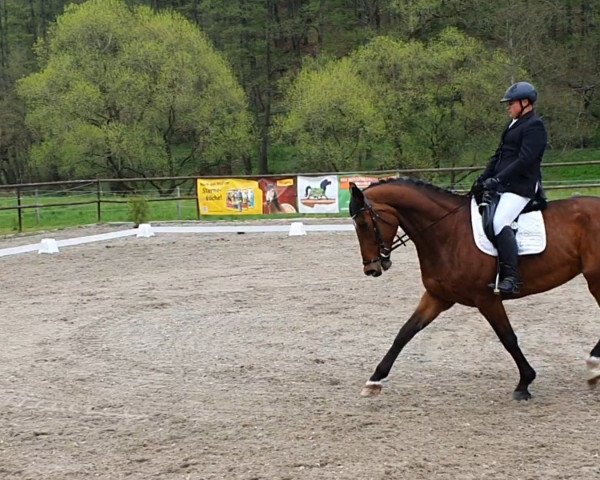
(138, 210)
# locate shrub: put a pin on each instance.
(138, 210)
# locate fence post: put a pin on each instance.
(178, 194)
(98, 201)
(37, 208)
(19, 210)
(197, 202)
(198, 214)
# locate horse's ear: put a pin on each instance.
(356, 192)
(357, 199)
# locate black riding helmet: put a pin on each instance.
(520, 91)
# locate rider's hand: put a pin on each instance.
(491, 184)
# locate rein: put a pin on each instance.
(384, 251)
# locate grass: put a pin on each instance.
(50, 218)
(54, 218)
(575, 173)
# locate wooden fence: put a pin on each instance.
(106, 191)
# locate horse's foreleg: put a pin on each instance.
(493, 311)
(429, 308)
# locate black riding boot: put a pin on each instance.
(506, 243)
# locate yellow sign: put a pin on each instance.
(285, 182)
(229, 196)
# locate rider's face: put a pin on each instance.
(514, 108)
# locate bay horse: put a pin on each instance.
(454, 270)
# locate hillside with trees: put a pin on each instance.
(177, 87)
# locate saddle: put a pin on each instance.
(488, 202)
(529, 226)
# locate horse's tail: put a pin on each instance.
(308, 189)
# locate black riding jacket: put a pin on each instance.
(516, 163)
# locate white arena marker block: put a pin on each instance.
(145, 231)
(297, 228)
(48, 245)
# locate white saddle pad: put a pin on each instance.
(531, 233)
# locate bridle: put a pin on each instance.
(385, 251)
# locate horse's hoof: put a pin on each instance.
(593, 364)
(371, 390)
(521, 395)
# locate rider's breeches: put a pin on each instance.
(509, 207)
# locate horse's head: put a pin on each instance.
(270, 195)
(375, 232)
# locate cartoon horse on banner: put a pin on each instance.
(454, 270)
(318, 193)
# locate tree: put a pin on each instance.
(558, 42)
(21, 23)
(424, 19)
(400, 104)
(14, 140)
(332, 121)
(264, 41)
(440, 99)
(128, 92)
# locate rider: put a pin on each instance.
(514, 172)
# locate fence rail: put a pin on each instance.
(25, 193)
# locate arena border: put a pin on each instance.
(147, 230)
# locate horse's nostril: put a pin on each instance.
(373, 272)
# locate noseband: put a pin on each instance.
(384, 250)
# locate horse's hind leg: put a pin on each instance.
(593, 362)
(493, 311)
(428, 309)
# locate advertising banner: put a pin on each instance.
(318, 194)
(361, 182)
(279, 195)
(229, 196)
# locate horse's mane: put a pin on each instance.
(416, 183)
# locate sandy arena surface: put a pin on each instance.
(224, 356)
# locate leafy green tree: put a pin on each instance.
(430, 104)
(14, 140)
(128, 92)
(558, 42)
(267, 42)
(440, 99)
(332, 121)
(21, 23)
(424, 19)
(264, 41)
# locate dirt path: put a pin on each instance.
(242, 357)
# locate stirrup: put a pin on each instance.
(509, 285)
